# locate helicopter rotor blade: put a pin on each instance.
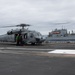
(21, 25)
(6, 26)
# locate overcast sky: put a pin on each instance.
(43, 15)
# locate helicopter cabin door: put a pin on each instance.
(25, 38)
(15, 37)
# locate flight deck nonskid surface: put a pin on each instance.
(35, 60)
(48, 49)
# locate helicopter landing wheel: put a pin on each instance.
(32, 43)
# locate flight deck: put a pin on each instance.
(37, 59)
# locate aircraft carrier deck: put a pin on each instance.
(37, 59)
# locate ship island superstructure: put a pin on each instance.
(61, 35)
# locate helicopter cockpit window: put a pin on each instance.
(37, 34)
(31, 35)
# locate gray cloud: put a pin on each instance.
(42, 14)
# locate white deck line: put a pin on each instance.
(17, 48)
(62, 51)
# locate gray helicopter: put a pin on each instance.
(29, 37)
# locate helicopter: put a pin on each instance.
(28, 36)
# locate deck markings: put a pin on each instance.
(62, 51)
(17, 48)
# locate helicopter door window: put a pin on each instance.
(25, 36)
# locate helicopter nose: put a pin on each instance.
(40, 40)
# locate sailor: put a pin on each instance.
(18, 39)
